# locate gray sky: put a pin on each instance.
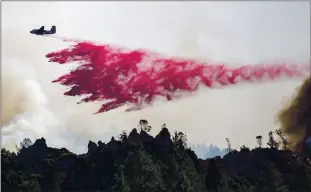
(234, 33)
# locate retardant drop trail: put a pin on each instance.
(137, 77)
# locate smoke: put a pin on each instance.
(231, 32)
(24, 105)
(295, 118)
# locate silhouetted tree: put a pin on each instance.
(148, 128)
(308, 178)
(180, 173)
(144, 125)
(130, 167)
(121, 184)
(140, 172)
(179, 140)
(188, 178)
(123, 135)
(271, 180)
(24, 144)
(213, 177)
(272, 142)
(244, 149)
(259, 140)
(34, 185)
(304, 181)
(229, 149)
(285, 143)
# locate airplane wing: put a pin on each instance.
(41, 29)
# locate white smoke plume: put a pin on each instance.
(231, 32)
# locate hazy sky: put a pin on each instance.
(234, 33)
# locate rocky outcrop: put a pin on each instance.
(134, 138)
(101, 145)
(92, 147)
(66, 161)
(113, 144)
(163, 140)
(32, 158)
(145, 137)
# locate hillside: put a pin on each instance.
(140, 162)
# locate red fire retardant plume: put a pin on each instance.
(137, 77)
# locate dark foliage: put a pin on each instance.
(138, 162)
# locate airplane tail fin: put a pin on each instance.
(53, 29)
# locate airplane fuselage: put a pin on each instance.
(41, 31)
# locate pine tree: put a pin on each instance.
(141, 173)
(229, 149)
(304, 181)
(191, 180)
(179, 140)
(180, 174)
(285, 143)
(271, 180)
(121, 184)
(182, 170)
(272, 142)
(259, 140)
(123, 136)
(213, 177)
(308, 178)
(143, 124)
